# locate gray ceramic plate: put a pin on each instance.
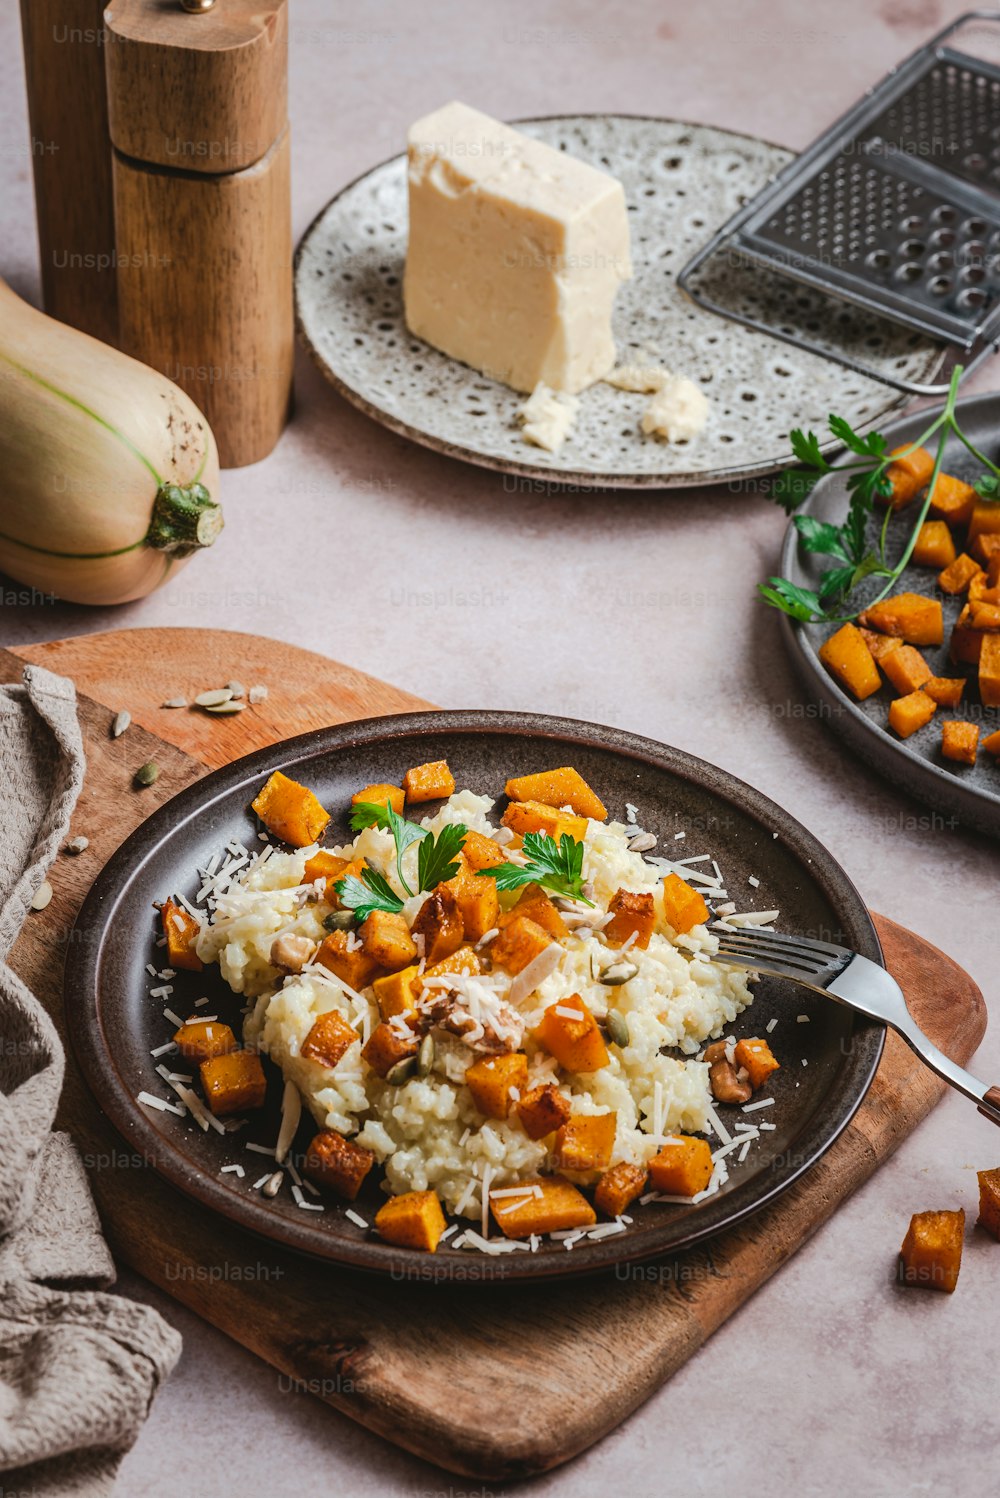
(970, 794)
(681, 181)
(114, 1024)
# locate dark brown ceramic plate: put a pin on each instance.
(114, 1023)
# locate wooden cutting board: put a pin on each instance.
(492, 1381)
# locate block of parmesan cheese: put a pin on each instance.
(515, 252)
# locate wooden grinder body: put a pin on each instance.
(198, 117)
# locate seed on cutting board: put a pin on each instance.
(42, 895)
(214, 698)
(225, 707)
(77, 844)
(119, 723)
(147, 773)
(258, 694)
(272, 1185)
(175, 702)
(236, 688)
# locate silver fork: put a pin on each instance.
(852, 980)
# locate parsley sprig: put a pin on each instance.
(851, 555)
(436, 856)
(556, 866)
(371, 892)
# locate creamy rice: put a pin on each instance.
(428, 1133)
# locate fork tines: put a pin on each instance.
(750, 944)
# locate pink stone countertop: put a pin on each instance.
(838, 1382)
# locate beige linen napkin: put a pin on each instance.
(78, 1367)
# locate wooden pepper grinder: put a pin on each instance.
(198, 118)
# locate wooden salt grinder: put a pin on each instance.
(198, 117)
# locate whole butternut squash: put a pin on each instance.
(110, 472)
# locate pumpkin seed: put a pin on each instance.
(42, 895)
(617, 973)
(236, 688)
(402, 1071)
(147, 773)
(175, 702)
(642, 843)
(338, 920)
(77, 844)
(425, 1056)
(119, 723)
(617, 1028)
(258, 694)
(213, 699)
(272, 1185)
(226, 707)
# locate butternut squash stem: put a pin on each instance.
(185, 519)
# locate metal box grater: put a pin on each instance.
(895, 209)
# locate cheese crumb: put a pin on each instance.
(677, 412)
(645, 379)
(547, 417)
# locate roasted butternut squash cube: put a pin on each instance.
(683, 1167)
(325, 865)
(563, 787)
(386, 938)
(953, 500)
(931, 1255)
(934, 546)
(182, 931)
(439, 922)
(986, 546)
(906, 669)
(351, 964)
(386, 1046)
(542, 1110)
(989, 1201)
(234, 1082)
(290, 811)
(200, 1040)
(533, 816)
(481, 852)
(632, 914)
(585, 1142)
(980, 591)
(353, 869)
(330, 1038)
(413, 1220)
(570, 1032)
(538, 907)
(551, 1206)
(430, 782)
(478, 902)
(336, 1162)
(846, 656)
(946, 691)
(908, 475)
(992, 743)
(396, 992)
(907, 714)
(993, 570)
(618, 1188)
(879, 645)
(989, 671)
(380, 794)
(518, 943)
(490, 1082)
(957, 577)
(911, 616)
(959, 741)
(683, 907)
(966, 643)
(465, 960)
(985, 519)
(985, 617)
(756, 1056)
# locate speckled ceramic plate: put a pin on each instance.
(681, 182)
(115, 1023)
(970, 794)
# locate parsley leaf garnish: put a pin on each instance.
(556, 866)
(404, 833)
(371, 892)
(436, 856)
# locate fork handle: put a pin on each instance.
(993, 1099)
